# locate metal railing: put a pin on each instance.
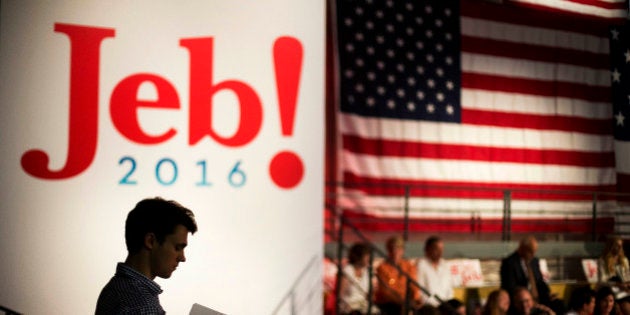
(509, 208)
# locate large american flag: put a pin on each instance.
(460, 94)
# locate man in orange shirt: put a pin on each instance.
(392, 275)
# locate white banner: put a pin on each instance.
(216, 104)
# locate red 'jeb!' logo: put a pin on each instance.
(286, 168)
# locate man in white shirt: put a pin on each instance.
(434, 274)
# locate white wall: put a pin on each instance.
(259, 245)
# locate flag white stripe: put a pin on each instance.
(536, 70)
(532, 104)
(435, 132)
(400, 168)
(533, 35)
(578, 8)
(467, 206)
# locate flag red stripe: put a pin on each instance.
(621, 5)
(458, 189)
(562, 11)
(538, 122)
(560, 20)
(480, 225)
(534, 52)
(535, 87)
(379, 147)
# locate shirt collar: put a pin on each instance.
(126, 271)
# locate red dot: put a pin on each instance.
(286, 169)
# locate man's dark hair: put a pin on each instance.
(158, 216)
(431, 241)
(581, 296)
(357, 251)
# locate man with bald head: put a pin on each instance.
(522, 269)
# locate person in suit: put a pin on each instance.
(522, 269)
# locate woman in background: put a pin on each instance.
(613, 264)
(355, 283)
(605, 302)
(498, 303)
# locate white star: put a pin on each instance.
(620, 119)
(628, 98)
(411, 81)
(420, 95)
(370, 102)
(615, 34)
(411, 106)
(380, 90)
(439, 96)
(400, 93)
(430, 83)
(450, 109)
(450, 85)
(616, 76)
(371, 76)
(391, 104)
(627, 54)
(430, 108)
(359, 88)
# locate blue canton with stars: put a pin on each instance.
(620, 80)
(400, 59)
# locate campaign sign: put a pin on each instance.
(218, 105)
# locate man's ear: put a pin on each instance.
(149, 240)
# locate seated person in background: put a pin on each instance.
(355, 283)
(452, 307)
(392, 283)
(582, 301)
(498, 303)
(605, 302)
(613, 264)
(623, 302)
(433, 273)
(523, 304)
(522, 269)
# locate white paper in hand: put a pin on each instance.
(198, 309)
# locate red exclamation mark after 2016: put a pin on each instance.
(286, 167)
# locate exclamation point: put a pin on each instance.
(286, 168)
